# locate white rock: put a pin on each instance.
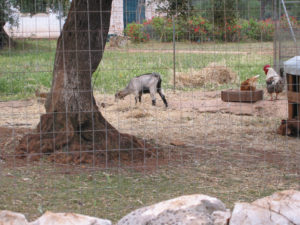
(12, 218)
(221, 217)
(282, 208)
(184, 210)
(50, 218)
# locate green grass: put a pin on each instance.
(25, 68)
(29, 65)
(112, 194)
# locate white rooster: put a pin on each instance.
(275, 83)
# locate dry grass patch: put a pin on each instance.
(214, 73)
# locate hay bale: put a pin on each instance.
(212, 74)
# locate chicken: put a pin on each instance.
(275, 83)
(249, 84)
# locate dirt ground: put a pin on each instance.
(194, 123)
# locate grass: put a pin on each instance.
(112, 194)
(29, 65)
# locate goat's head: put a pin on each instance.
(119, 95)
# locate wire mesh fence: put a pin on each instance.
(68, 145)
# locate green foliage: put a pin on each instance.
(199, 29)
(224, 12)
(136, 33)
(41, 6)
(257, 30)
(7, 12)
(181, 8)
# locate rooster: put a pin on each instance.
(249, 84)
(275, 82)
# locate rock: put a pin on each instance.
(50, 218)
(12, 218)
(187, 210)
(280, 208)
(221, 217)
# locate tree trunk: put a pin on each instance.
(73, 130)
(262, 9)
(4, 38)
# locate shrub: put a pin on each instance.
(162, 28)
(136, 33)
(198, 28)
(284, 21)
(257, 30)
(268, 29)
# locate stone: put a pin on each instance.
(280, 208)
(12, 218)
(187, 210)
(50, 218)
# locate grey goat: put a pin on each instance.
(145, 83)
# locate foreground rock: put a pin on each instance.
(50, 218)
(187, 210)
(12, 218)
(280, 208)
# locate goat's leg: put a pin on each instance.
(136, 97)
(160, 92)
(140, 97)
(152, 94)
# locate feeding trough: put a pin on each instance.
(234, 95)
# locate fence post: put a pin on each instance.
(174, 56)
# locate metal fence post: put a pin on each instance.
(174, 55)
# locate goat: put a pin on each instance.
(145, 83)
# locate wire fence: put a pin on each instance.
(68, 144)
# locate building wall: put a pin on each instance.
(116, 19)
(38, 26)
(48, 25)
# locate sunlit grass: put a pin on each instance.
(29, 65)
(111, 194)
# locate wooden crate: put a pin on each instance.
(242, 96)
(293, 94)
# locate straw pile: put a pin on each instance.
(212, 74)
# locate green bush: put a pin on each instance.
(197, 28)
(136, 33)
(268, 29)
(257, 30)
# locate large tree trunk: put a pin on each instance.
(73, 129)
(4, 38)
(262, 9)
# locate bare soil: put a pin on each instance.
(196, 125)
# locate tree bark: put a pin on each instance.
(73, 130)
(4, 38)
(262, 9)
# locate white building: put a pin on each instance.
(44, 25)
